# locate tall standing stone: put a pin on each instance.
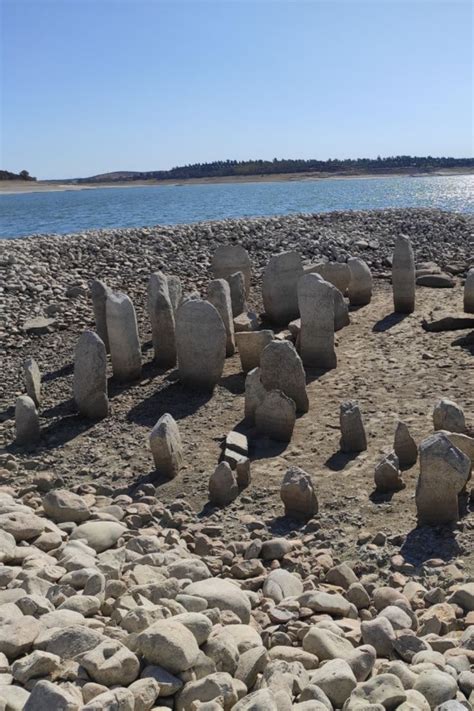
(447, 415)
(279, 287)
(387, 475)
(254, 393)
(200, 343)
(353, 437)
(335, 273)
(32, 380)
(316, 305)
(403, 276)
(218, 294)
(444, 471)
(405, 446)
(275, 417)
(250, 345)
(281, 368)
(223, 486)
(26, 421)
(469, 292)
(90, 376)
(360, 285)
(231, 258)
(99, 293)
(297, 494)
(124, 343)
(236, 283)
(175, 291)
(166, 446)
(161, 315)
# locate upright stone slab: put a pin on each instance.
(175, 291)
(360, 285)
(353, 437)
(387, 475)
(316, 305)
(341, 310)
(231, 258)
(32, 380)
(236, 283)
(90, 377)
(447, 415)
(124, 343)
(250, 345)
(254, 393)
(403, 276)
(469, 292)
(161, 315)
(200, 343)
(279, 287)
(297, 494)
(275, 417)
(166, 446)
(335, 273)
(99, 293)
(281, 368)
(223, 486)
(218, 294)
(444, 471)
(405, 446)
(26, 421)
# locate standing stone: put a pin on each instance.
(353, 437)
(161, 315)
(279, 287)
(335, 273)
(297, 494)
(175, 291)
(250, 345)
(341, 310)
(281, 368)
(26, 421)
(166, 446)
(99, 294)
(123, 337)
(403, 276)
(275, 417)
(236, 283)
(316, 305)
(231, 258)
(469, 292)
(447, 415)
(218, 294)
(405, 446)
(90, 377)
(200, 344)
(223, 487)
(360, 285)
(387, 475)
(444, 471)
(254, 393)
(32, 380)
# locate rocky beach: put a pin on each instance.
(261, 574)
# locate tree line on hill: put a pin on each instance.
(23, 175)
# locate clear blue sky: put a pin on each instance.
(90, 86)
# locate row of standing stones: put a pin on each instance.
(103, 604)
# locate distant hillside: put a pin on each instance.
(228, 168)
(24, 175)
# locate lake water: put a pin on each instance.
(75, 211)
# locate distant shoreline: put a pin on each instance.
(12, 187)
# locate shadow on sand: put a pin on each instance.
(388, 322)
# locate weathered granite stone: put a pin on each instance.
(316, 306)
(124, 342)
(200, 343)
(387, 474)
(447, 415)
(166, 446)
(250, 346)
(231, 258)
(469, 292)
(336, 273)
(161, 315)
(254, 392)
(436, 281)
(90, 376)
(26, 421)
(218, 294)
(236, 283)
(223, 487)
(246, 322)
(279, 287)
(175, 291)
(99, 293)
(405, 446)
(444, 471)
(32, 380)
(341, 310)
(403, 276)
(360, 285)
(281, 368)
(353, 437)
(275, 417)
(297, 494)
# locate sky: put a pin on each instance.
(92, 86)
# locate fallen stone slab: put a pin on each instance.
(436, 281)
(39, 325)
(448, 323)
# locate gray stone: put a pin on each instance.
(261, 700)
(436, 686)
(387, 475)
(201, 344)
(447, 415)
(123, 337)
(297, 494)
(46, 695)
(35, 665)
(353, 437)
(175, 291)
(166, 446)
(236, 283)
(281, 369)
(405, 446)
(118, 699)
(275, 417)
(379, 633)
(341, 310)
(218, 685)
(32, 380)
(250, 345)
(280, 584)
(17, 635)
(336, 679)
(469, 292)
(218, 294)
(254, 393)
(99, 535)
(161, 315)
(279, 287)
(223, 487)
(111, 663)
(222, 594)
(384, 689)
(360, 285)
(316, 306)
(62, 505)
(90, 377)
(27, 424)
(229, 259)
(403, 276)
(99, 293)
(335, 273)
(170, 645)
(436, 281)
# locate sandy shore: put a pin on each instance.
(11, 187)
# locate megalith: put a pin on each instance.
(275, 417)
(360, 284)
(405, 446)
(161, 315)
(254, 393)
(469, 292)
(387, 475)
(223, 486)
(99, 293)
(238, 297)
(218, 294)
(250, 345)
(403, 276)
(336, 273)
(297, 494)
(444, 471)
(124, 342)
(175, 291)
(341, 310)
(166, 446)
(353, 438)
(447, 415)
(32, 380)
(279, 287)
(231, 258)
(26, 421)
(200, 344)
(90, 376)
(281, 368)
(316, 306)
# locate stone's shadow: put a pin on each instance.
(63, 430)
(381, 497)
(388, 322)
(7, 414)
(261, 447)
(466, 342)
(313, 374)
(150, 370)
(282, 525)
(234, 383)
(62, 409)
(339, 460)
(153, 477)
(173, 397)
(208, 509)
(62, 372)
(427, 542)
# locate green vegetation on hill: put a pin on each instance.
(24, 175)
